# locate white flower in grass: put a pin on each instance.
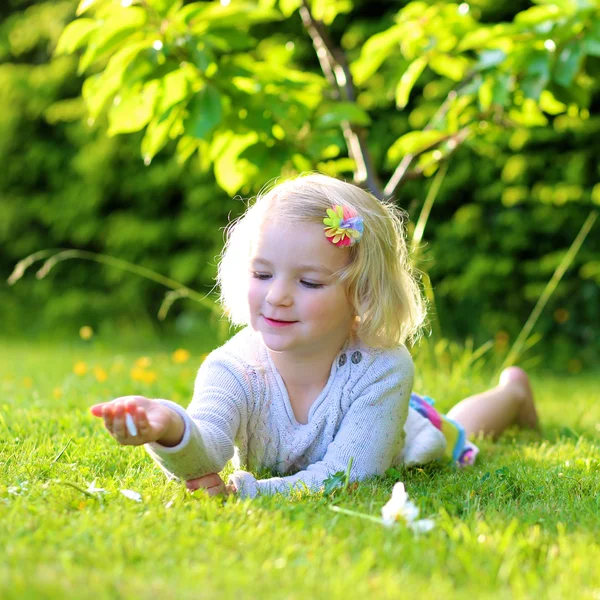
(92, 489)
(132, 495)
(401, 509)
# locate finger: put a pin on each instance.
(119, 422)
(141, 420)
(207, 481)
(108, 412)
(96, 410)
(217, 490)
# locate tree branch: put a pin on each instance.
(402, 169)
(335, 67)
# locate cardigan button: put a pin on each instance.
(356, 357)
(342, 360)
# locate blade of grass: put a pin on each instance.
(61, 255)
(426, 210)
(517, 347)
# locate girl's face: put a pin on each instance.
(295, 302)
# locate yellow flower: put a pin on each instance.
(80, 368)
(180, 356)
(100, 374)
(27, 382)
(57, 393)
(143, 362)
(149, 377)
(86, 332)
(137, 373)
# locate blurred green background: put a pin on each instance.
(508, 209)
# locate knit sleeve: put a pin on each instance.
(220, 402)
(371, 431)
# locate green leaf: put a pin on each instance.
(289, 7)
(453, 67)
(333, 114)
(86, 5)
(485, 94)
(591, 46)
(533, 85)
(413, 142)
(375, 50)
(334, 482)
(120, 26)
(205, 112)
(231, 172)
(157, 133)
(335, 167)
(591, 41)
(233, 15)
(75, 35)
(175, 89)
(328, 10)
(133, 110)
(538, 14)
(408, 80)
(567, 63)
(550, 105)
(97, 91)
(186, 146)
(489, 59)
(537, 74)
(501, 89)
(163, 7)
(190, 11)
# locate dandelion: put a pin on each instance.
(401, 509)
(27, 382)
(137, 374)
(80, 368)
(57, 393)
(149, 377)
(86, 332)
(100, 374)
(143, 362)
(180, 356)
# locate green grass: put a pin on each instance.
(524, 522)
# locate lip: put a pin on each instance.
(276, 323)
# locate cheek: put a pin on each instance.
(329, 309)
(254, 294)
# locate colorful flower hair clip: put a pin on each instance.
(344, 227)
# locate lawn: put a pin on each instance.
(524, 522)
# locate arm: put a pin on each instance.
(210, 424)
(371, 432)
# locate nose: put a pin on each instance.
(279, 293)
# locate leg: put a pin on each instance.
(493, 411)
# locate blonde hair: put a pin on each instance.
(379, 279)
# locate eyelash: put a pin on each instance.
(308, 284)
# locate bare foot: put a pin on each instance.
(519, 380)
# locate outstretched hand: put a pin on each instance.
(152, 421)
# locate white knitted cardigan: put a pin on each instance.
(241, 411)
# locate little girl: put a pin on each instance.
(318, 271)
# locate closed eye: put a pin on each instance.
(310, 285)
(261, 276)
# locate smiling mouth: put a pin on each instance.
(277, 323)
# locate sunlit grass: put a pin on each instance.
(522, 523)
